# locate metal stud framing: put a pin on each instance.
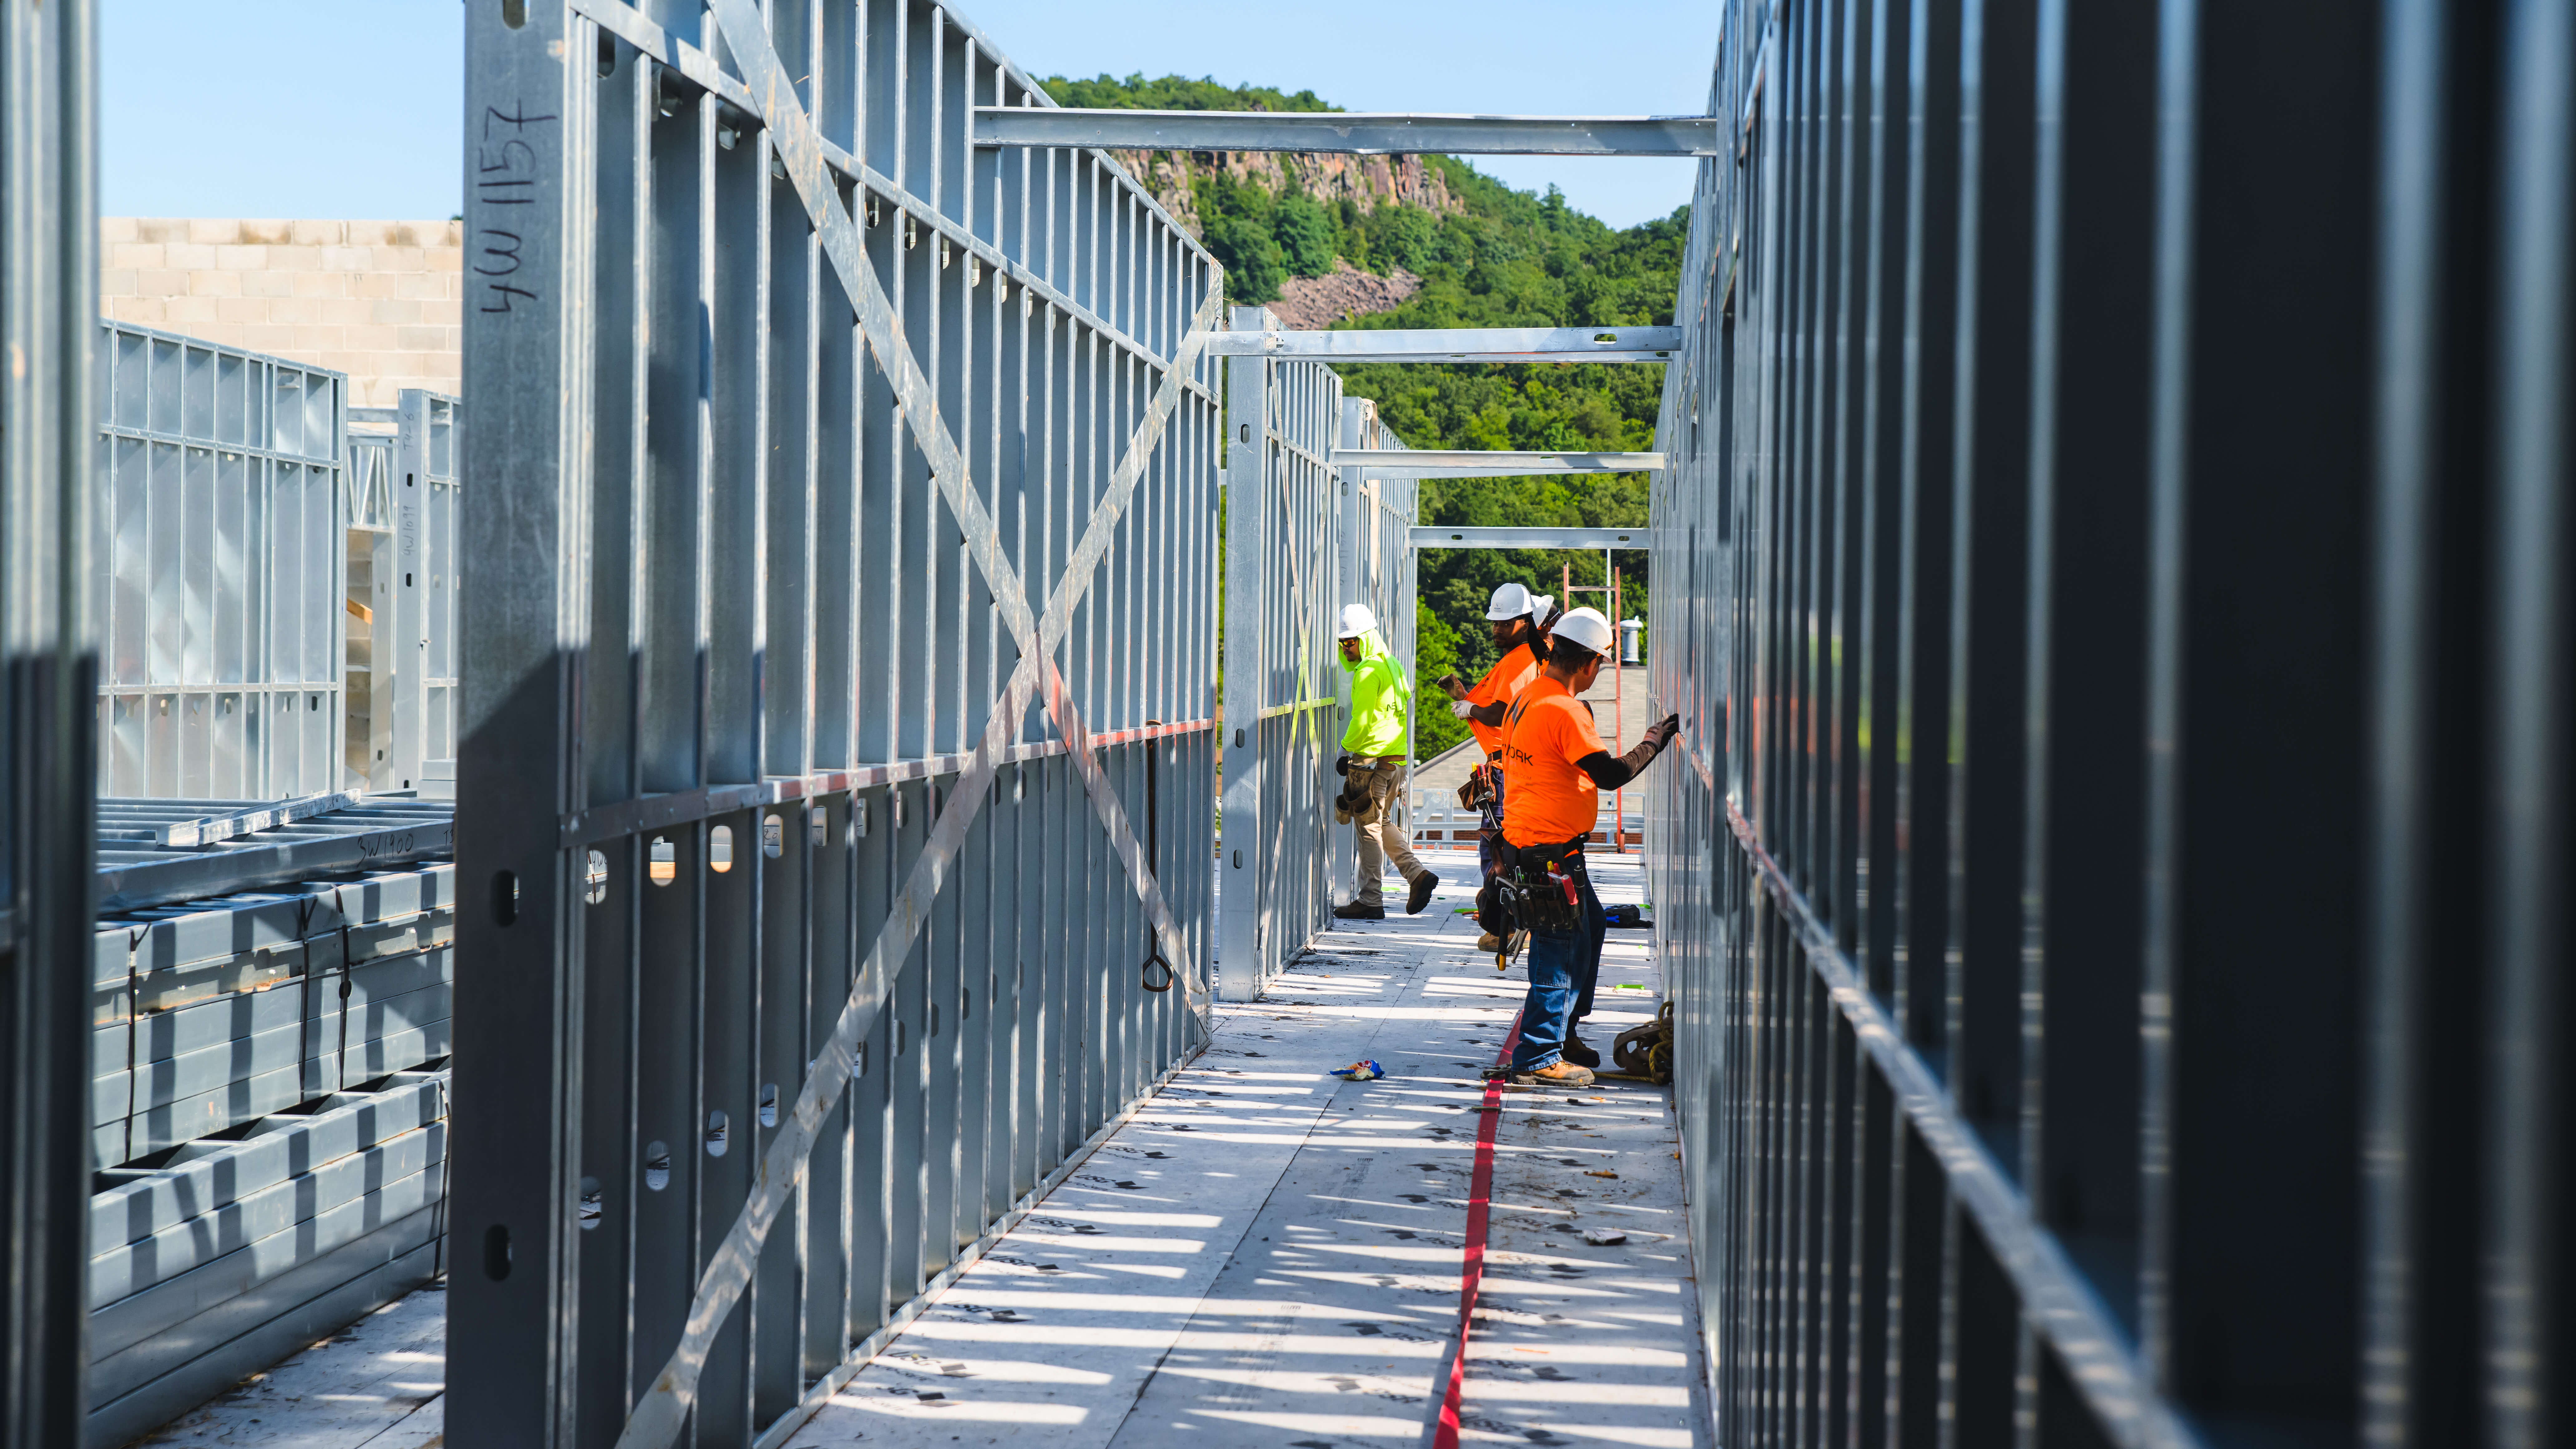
(403, 560)
(1285, 553)
(1356, 133)
(840, 559)
(1473, 464)
(219, 596)
(1377, 562)
(1456, 344)
(424, 580)
(48, 708)
(2115, 566)
(2114, 570)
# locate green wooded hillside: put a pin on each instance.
(1509, 259)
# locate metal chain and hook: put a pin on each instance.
(1154, 959)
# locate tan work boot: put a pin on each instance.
(1559, 1073)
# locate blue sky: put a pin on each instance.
(347, 108)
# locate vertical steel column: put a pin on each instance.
(48, 709)
(520, 1018)
(417, 641)
(2529, 843)
(1248, 594)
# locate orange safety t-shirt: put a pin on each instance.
(1501, 685)
(1551, 800)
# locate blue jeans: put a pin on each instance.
(1562, 972)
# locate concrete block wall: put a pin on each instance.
(379, 300)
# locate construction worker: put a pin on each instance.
(1554, 770)
(1372, 765)
(1515, 618)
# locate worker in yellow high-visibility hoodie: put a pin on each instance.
(1372, 766)
(1554, 770)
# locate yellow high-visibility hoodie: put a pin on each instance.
(1378, 700)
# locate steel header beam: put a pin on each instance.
(1458, 344)
(1435, 537)
(1432, 463)
(1358, 133)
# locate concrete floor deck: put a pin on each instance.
(1263, 1255)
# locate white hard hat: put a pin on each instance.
(1540, 604)
(1587, 628)
(1356, 620)
(1511, 601)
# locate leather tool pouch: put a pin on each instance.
(1353, 803)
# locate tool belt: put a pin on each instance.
(1543, 889)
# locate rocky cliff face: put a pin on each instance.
(1368, 182)
(1314, 303)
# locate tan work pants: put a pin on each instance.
(1380, 838)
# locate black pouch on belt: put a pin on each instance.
(1494, 905)
(1549, 880)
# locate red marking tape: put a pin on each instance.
(1471, 1275)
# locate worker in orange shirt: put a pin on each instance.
(1518, 620)
(1554, 770)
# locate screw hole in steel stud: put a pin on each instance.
(657, 1166)
(769, 1104)
(773, 836)
(822, 827)
(591, 1200)
(720, 849)
(496, 1252)
(607, 67)
(719, 1129)
(514, 14)
(594, 879)
(661, 862)
(505, 897)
